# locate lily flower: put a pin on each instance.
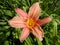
(30, 22)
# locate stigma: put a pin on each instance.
(30, 23)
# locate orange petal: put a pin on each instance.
(21, 13)
(16, 22)
(38, 32)
(34, 11)
(43, 21)
(24, 34)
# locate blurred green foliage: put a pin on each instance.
(10, 36)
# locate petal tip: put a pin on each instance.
(41, 39)
(49, 18)
(16, 9)
(37, 3)
(9, 22)
(21, 40)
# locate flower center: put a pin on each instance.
(30, 23)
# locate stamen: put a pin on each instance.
(30, 23)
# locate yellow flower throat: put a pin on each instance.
(30, 23)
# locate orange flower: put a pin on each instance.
(29, 22)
